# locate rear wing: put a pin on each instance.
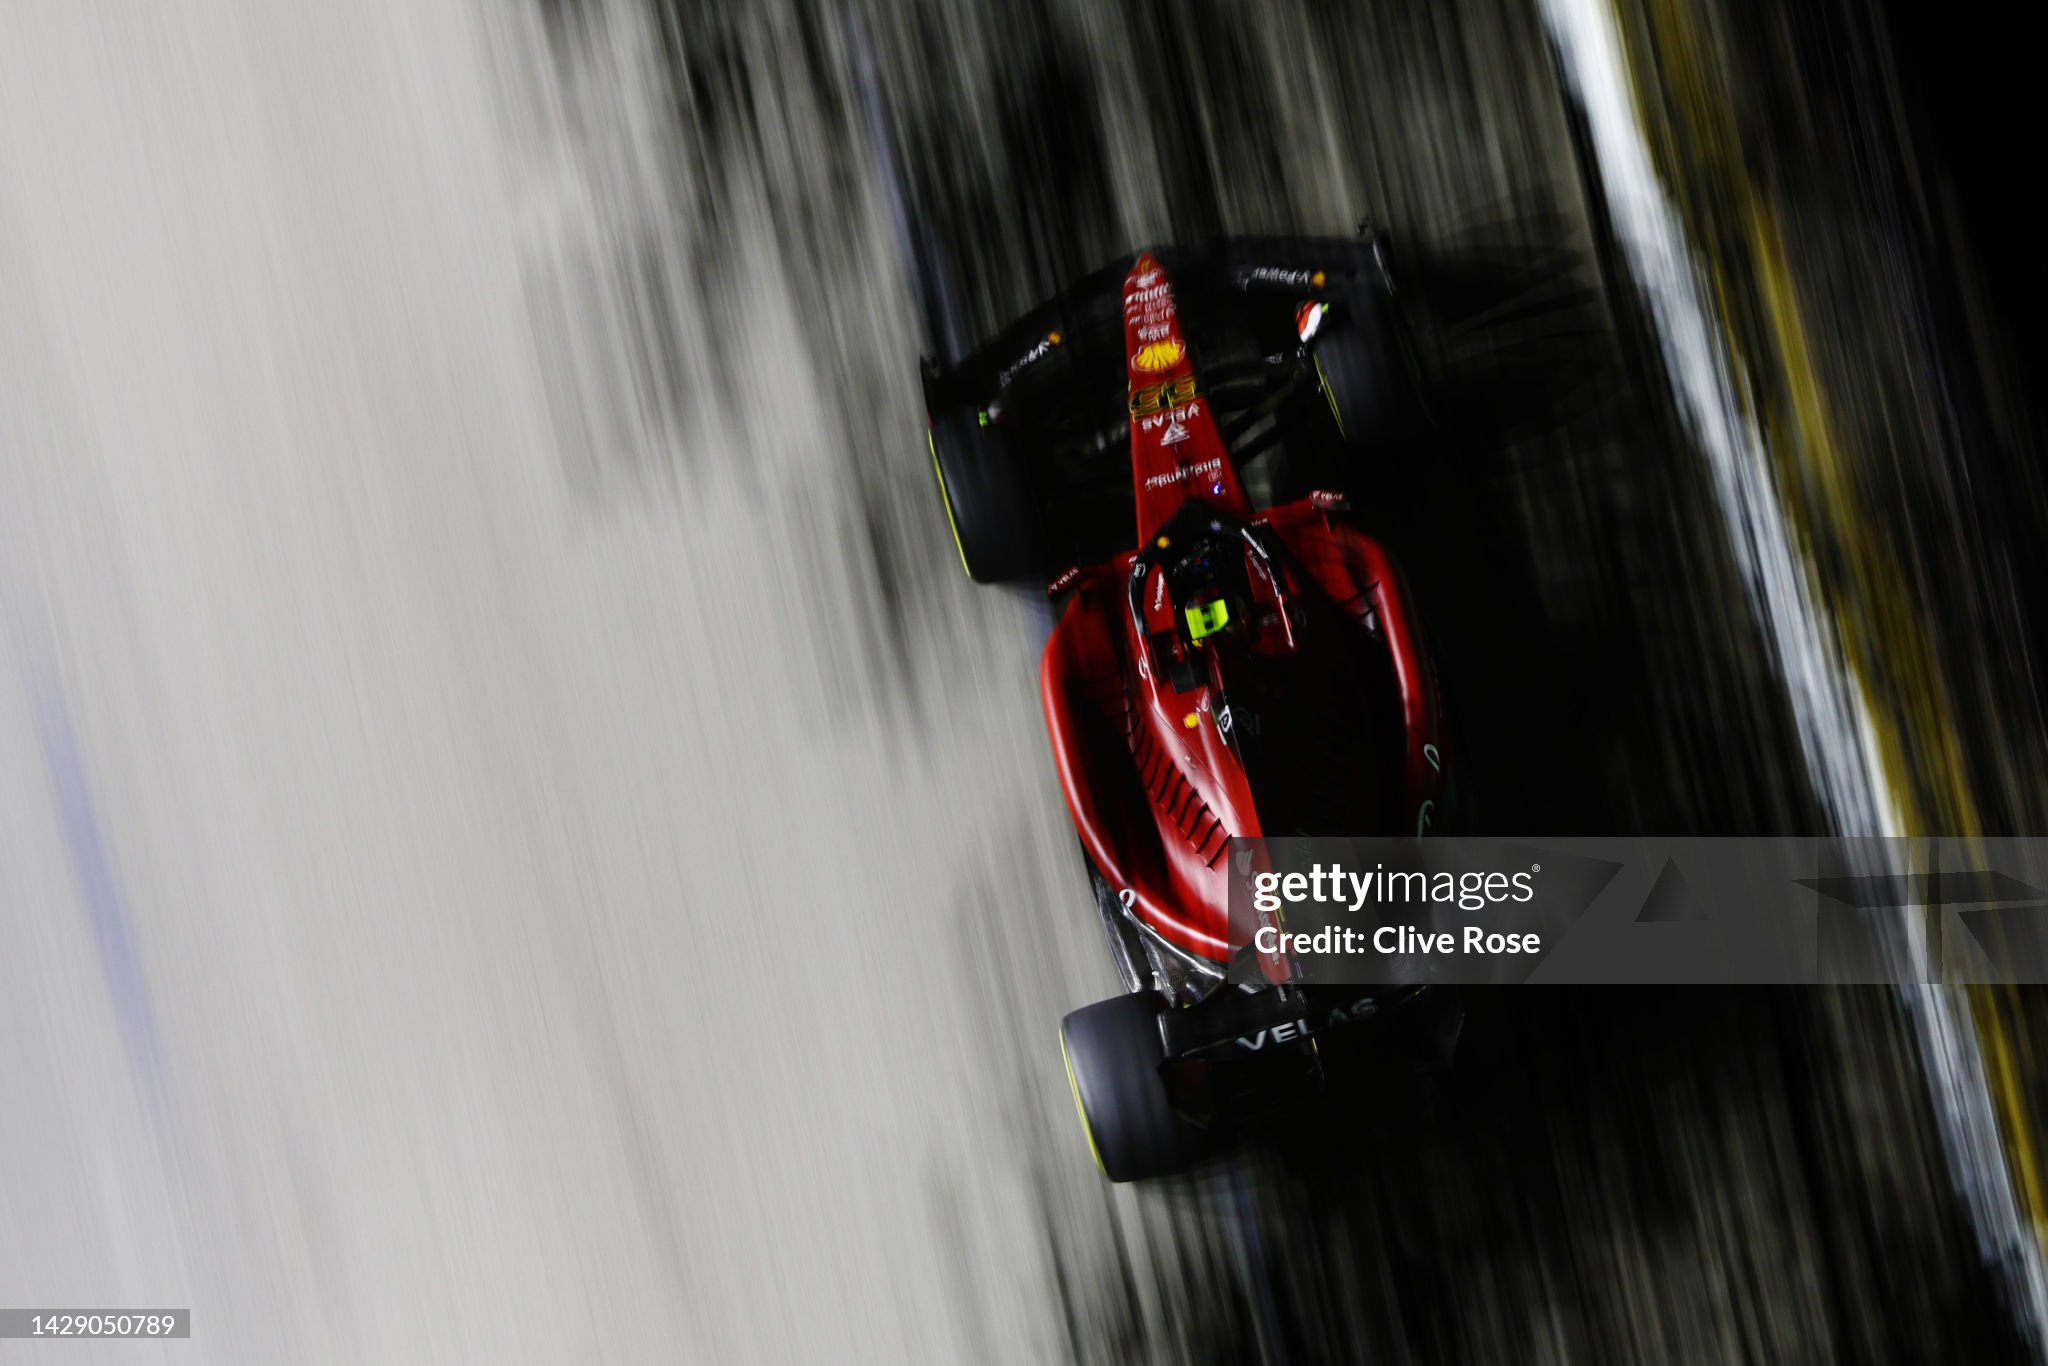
(1068, 350)
(1055, 379)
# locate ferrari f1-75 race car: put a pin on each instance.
(1242, 663)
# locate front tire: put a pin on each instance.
(989, 503)
(1113, 1053)
(1365, 370)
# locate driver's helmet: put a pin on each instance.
(1208, 614)
(1212, 595)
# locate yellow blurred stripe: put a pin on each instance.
(1687, 122)
(1999, 1016)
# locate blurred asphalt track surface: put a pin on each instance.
(519, 844)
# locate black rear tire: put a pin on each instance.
(1113, 1054)
(989, 503)
(1366, 372)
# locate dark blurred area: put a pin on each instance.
(1962, 101)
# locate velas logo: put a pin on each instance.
(1361, 1009)
(1158, 356)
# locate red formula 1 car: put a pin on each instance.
(1250, 667)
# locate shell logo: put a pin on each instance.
(1159, 355)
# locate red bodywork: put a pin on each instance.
(1142, 721)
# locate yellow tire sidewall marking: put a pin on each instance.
(1080, 1108)
(946, 497)
(1330, 396)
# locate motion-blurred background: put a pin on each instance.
(519, 843)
